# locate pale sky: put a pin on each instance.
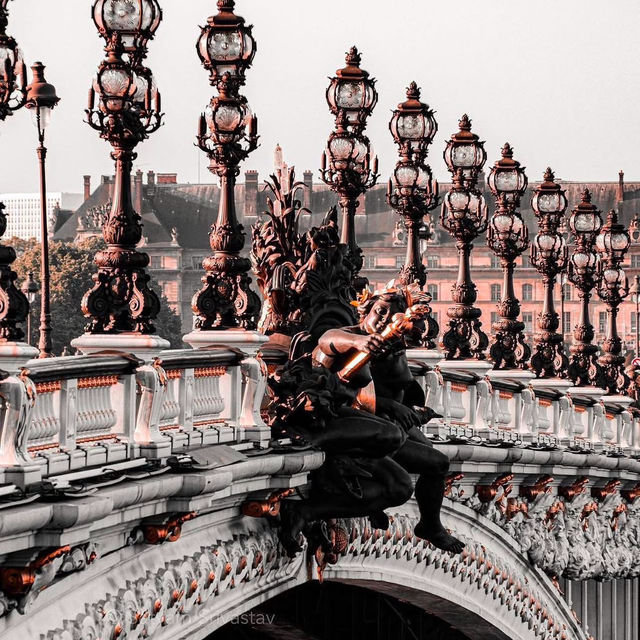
(558, 79)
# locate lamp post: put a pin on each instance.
(41, 100)
(549, 255)
(346, 165)
(585, 223)
(412, 191)
(612, 244)
(13, 96)
(227, 133)
(464, 216)
(30, 289)
(508, 238)
(128, 110)
(634, 290)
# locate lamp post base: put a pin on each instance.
(249, 342)
(14, 355)
(145, 347)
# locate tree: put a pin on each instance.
(72, 268)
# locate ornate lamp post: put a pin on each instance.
(128, 110)
(227, 133)
(30, 289)
(549, 255)
(585, 223)
(464, 216)
(412, 191)
(14, 307)
(612, 244)
(42, 99)
(508, 238)
(634, 290)
(346, 164)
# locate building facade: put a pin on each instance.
(177, 218)
(23, 211)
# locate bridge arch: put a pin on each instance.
(224, 565)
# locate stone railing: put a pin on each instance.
(482, 406)
(62, 416)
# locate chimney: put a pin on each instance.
(87, 187)
(307, 179)
(620, 192)
(250, 193)
(151, 179)
(167, 178)
(137, 191)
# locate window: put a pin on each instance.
(602, 321)
(527, 318)
(526, 261)
(495, 262)
(370, 262)
(635, 260)
(433, 290)
(566, 291)
(634, 322)
(494, 317)
(496, 291)
(566, 322)
(527, 292)
(399, 262)
(433, 262)
(155, 262)
(436, 316)
(196, 262)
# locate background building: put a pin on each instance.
(23, 211)
(177, 218)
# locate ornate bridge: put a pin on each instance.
(133, 477)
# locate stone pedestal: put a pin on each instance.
(145, 347)
(249, 342)
(14, 355)
(429, 357)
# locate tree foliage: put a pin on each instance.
(72, 268)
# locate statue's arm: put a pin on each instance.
(337, 342)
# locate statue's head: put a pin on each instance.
(376, 310)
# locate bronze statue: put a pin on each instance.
(355, 400)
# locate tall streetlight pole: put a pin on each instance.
(612, 244)
(30, 288)
(508, 238)
(412, 191)
(42, 99)
(634, 290)
(585, 224)
(464, 215)
(549, 256)
(346, 164)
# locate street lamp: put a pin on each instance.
(612, 244)
(634, 290)
(508, 237)
(128, 110)
(133, 21)
(346, 165)
(13, 95)
(549, 255)
(464, 216)
(585, 223)
(227, 133)
(41, 100)
(30, 289)
(412, 191)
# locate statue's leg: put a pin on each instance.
(359, 434)
(389, 485)
(418, 456)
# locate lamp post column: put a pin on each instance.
(613, 287)
(549, 256)
(585, 223)
(464, 215)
